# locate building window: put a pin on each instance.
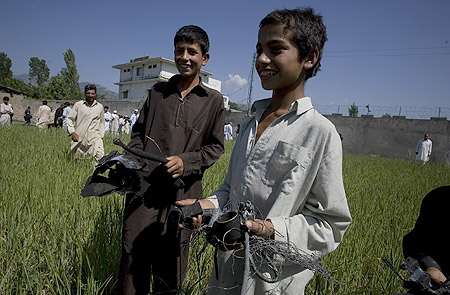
(125, 71)
(125, 94)
(128, 70)
(154, 66)
(138, 71)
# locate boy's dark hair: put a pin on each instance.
(90, 87)
(5, 98)
(304, 28)
(193, 34)
(44, 102)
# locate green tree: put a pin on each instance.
(5, 68)
(57, 88)
(70, 75)
(233, 105)
(39, 72)
(353, 110)
(386, 116)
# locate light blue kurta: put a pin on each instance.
(293, 175)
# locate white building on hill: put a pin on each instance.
(140, 74)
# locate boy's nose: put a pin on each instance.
(263, 59)
(185, 55)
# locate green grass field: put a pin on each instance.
(53, 241)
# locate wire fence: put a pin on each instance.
(410, 112)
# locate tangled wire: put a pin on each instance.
(226, 228)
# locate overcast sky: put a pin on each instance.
(382, 53)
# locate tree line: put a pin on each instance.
(41, 86)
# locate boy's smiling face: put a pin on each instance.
(278, 64)
(189, 58)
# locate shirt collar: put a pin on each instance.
(93, 104)
(301, 105)
(200, 89)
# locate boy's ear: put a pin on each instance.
(205, 59)
(312, 58)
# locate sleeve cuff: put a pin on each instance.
(427, 262)
(214, 200)
(279, 228)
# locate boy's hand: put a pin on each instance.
(436, 275)
(175, 166)
(75, 137)
(262, 228)
(205, 204)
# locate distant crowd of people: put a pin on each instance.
(87, 122)
(119, 123)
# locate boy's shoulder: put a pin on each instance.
(162, 87)
(212, 92)
(320, 122)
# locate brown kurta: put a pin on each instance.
(191, 128)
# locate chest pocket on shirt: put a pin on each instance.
(287, 166)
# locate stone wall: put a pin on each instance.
(394, 137)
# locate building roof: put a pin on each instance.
(148, 60)
(11, 90)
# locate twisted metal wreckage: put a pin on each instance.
(223, 228)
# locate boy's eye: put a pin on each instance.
(276, 49)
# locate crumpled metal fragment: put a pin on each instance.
(121, 178)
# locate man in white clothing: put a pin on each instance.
(86, 125)
(6, 111)
(108, 118)
(115, 123)
(44, 115)
(228, 131)
(66, 113)
(423, 149)
(134, 118)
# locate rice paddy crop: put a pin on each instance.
(53, 241)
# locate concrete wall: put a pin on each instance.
(395, 137)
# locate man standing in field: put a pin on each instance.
(115, 123)
(44, 115)
(66, 113)
(86, 126)
(108, 118)
(423, 149)
(228, 130)
(133, 118)
(58, 115)
(6, 111)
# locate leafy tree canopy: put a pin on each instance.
(233, 105)
(39, 71)
(70, 75)
(5, 67)
(353, 110)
